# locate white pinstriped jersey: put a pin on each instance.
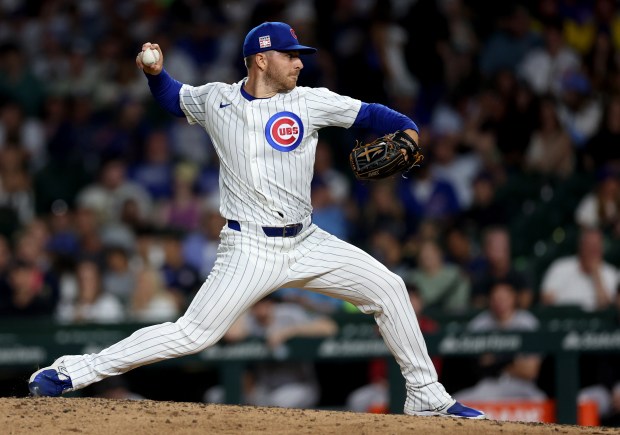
(266, 146)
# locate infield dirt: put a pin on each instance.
(102, 416)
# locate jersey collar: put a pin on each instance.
(246, 95)
(249, 97)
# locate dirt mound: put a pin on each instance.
(101, 416)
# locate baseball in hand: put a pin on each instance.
(150, 56)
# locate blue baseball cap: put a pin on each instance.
(273, 36)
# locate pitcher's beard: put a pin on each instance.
(279, 83)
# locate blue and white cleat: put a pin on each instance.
(50, 381)
(456, 410)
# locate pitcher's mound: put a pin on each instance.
(102, 416)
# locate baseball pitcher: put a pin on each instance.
(265, 130)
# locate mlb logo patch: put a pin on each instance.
(264, 41)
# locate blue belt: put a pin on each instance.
(290, 230)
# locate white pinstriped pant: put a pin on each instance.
(249, 266)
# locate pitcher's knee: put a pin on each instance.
(398, 285)
(398, 294)
(196, 336)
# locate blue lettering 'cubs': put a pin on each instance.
(284, 131)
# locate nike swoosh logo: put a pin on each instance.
(224, 105)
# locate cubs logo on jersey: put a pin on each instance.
(284, 131)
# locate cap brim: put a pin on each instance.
(303, 49)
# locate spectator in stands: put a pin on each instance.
(183, 210)
(63, 239)
(427, 229)
(154, 170)
(30, 246)
(457, 168)
(87, 230)
(550, 151)
(496, 250)
(485, 210)
(149, 252)
(118, 278)
(583, 279)
(22, 132)
(78, 136)
(17, 80)
(327, 213)
(543, 68)
(448, 116)
(441, 285)
(600, 61)
(91, 303)
(389, 40)
(383, 210)
(338, 184)
(504, 377)
(200, 246)
(345, 30)
(70, 128)
(119, 233)
(427, 197)
(481, 113)
(515, 124)
(386, 246)
(601, 207)
(80, 76)
(63, 248)
(16, 183)
(16, 193)
(181, 279)
(27, 291)
(290, 384)
(188, 144)
(462, 44)
(580, 112)
(131, 218)
(510, 42)
(105, 91)
(151, 301)
(499, 122)
(462, 252)
(108, 194)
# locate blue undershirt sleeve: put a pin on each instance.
(382, 120)
(165, 89)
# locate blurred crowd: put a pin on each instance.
(109, 207)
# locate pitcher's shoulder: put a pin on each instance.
(303, 90)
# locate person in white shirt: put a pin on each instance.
(543, 68)
(584, 279)
(506, 377)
